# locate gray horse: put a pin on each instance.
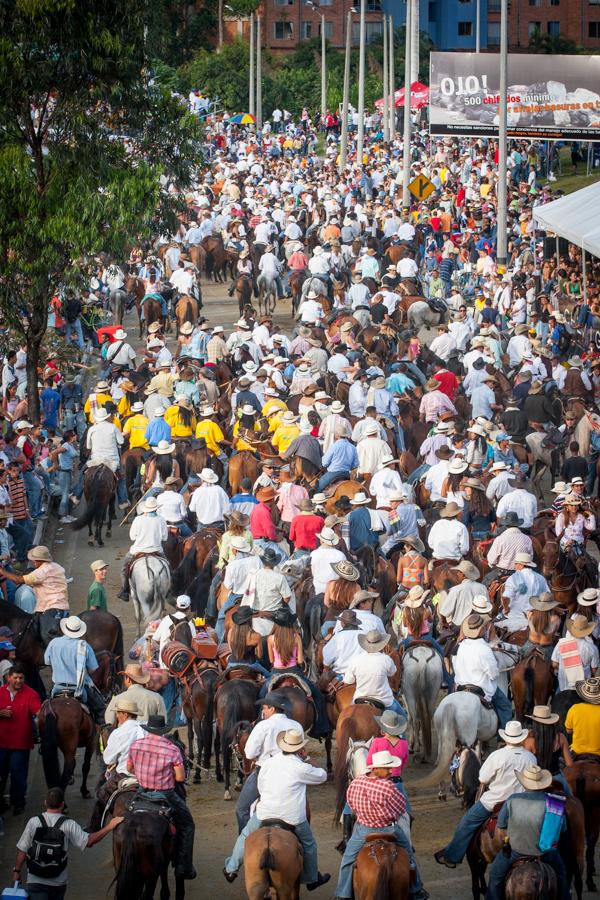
(118, 303)
(421, 682)
(267, 294)
(420, 315)
(315, 284)
(150, 583)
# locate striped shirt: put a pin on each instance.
(433, 404)
(18, 498)
(506, 546)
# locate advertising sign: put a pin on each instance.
(549, 97)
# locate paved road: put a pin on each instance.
(215, 819)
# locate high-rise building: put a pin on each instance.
(577, 20)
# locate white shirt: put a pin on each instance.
(147, 534)
(370, 672)
(162, 635)
(499, 486)
(210, 503)
(448, 539)
(262, 740)
(237, 571)
(122, 353)
(340, 651)
(164, 357)
(520, 501)
(357, 399)
(103, 441)
(435, 478)
(443, 345)
(119, 742)
(171, 506)
(310, 311)
(371, 450)
(384, 482)
(476, 664)
(407, 268)
(406, 232)
(282, 784)
(321, 561)
(519, 588)
(588, 653)
(367, 621)
(458, 602)
(498, 771)
(517, 347)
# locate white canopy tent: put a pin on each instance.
(575, 218)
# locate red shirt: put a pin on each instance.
(304, 531)
(261, 523)
(376, 801)
(153, 759)
(16, 732)
(448, 382)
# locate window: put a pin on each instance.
(535, 2)
(493, 37)
(373, 6)
(554, 2)
(465, 29)
(328, 30)
(326, 3)
(283, 31)
(533, 28)
(306, 31)
(373, 31)
(594, 29)
(554, 28)
(284, 2)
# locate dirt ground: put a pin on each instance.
(91, 873)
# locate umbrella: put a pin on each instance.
(419, 96)
(243, 119)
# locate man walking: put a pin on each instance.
(19, 704)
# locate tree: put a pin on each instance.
(553, 44)
(85, 139)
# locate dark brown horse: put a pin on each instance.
(152, 312)
(99, 489)
(131, 461)
(532, 684)
(135, 286)
(381, 870)
(235, 702)
(357, 723)
(584, 780)
(243, 291)
(65, 725)
(198, 706)
(273, 861)
(530, 879)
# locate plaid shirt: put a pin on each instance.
(376, 802)
(153, 759)
(216, 349)
(434, 404)
(503, 551)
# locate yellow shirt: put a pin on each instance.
(135, 427)
(583, 720)
(241, 444)
(284, 436)
(124, 407)
(178, 429)
(273, 404)
(211, 433)
(101, 399)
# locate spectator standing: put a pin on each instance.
(19, 704)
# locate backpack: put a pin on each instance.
(47, 856)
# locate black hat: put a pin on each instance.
(479, 363)
(270, 556)
(157, 725)
(343, 504)
(284, 617)
(511, 520)
(276, 699)
(243, 615)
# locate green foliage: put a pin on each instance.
(240, 9)
(553, 44)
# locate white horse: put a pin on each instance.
(315, 284)
(420, 315)
(149, 583)
(421, 682)
(267, 294)
(460, 719)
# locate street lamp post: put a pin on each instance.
(251, 106)
(384, 108)
(323, 71)
(360, 138)
(414, 41)
(478, 26)
(346, 96)
(406, 142)
(259, 121)
(501, 240)
(391, 82)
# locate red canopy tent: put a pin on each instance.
(419, 96)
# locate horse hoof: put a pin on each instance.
(101, 543)
(227, 795)
(109, 534)
(442, 797)
(90, 542)
(85, 794)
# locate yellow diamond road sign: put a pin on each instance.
(421, 187)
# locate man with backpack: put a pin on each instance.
(44, 844)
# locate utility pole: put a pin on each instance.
(501, 242)
(323, 72)
(391, 81)
(251, 106)
(385, 106)
(406, 144)
(360, 138)
(220, 26)
(346, 96)
(259, 121)
(478, 26)
(414, 41)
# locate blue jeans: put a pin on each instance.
(310, 869)
(24, 598)
(75, 327)
(122, 491)
(472, 820)
(169, 695)
(183, 528)
(501, 867)
(503, 708)
(74, 421)
(248, 794)
(64, 479)
(33, 487)
(418, 473)
(355, 845)
(220, 626)
(21, 532)
(16, 764)
(328, 477)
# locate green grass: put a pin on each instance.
(571, 181)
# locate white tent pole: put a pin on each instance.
(584, 277)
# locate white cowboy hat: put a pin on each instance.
(208, 476)
(319, 499)
(250, 367)
(513, 733)
(238, 542)
(534, 778)
(525, 559)
(137, 407)
(218, 329)
(416, 597)
(372, 428)
(101, 386)
(73, 627)
(560, 487)
(127, 706)
(248, 410)
(481, 605)
(164, 447)
(473, 625)
(588, 597)
(337, 407)
(457, 466)
(467, 568)
(544, 715)
(311, 295)
(288, 418)
(373, 641)
(186, 328)
(100, 415)
(360, 499)
(291, 741)
(149, 505)
(120, 335)
(383, 760)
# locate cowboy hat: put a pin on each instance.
(474, 483)
(477, 429)
(238, 518)
(416, 597)
(98, 565)
(589, 690)
(451, 510)
(348, 619)
(39, 554)
(149, 505)
(360, 499)
(337, 407)
(100, 415)
(265, 494)
(156, 725)
(536, 387)
(186, 328)
(481, 605)
(391, 722)
(164, 447)
(457, 466)
(513, 732)
(126, 706)
(372, 427)
(534, 778)
(362, 597)
(383, 759)
(291, 741)
(473, 625)
(346, 570)
(444, 452)
(511, 520)
(101, 386)
(248, 410)
(154, 328)
(579, 627)
(415, 542)
(589, 597)
(543, 715)
(522, 329)
(373, 641)
(135, 673)
(575, 362)
(432, 385)
(328, 537)
(273, 698)
(208, 476)
(73, 627)
(207, 411)
(525, 559)
(288, 418)
(240, 543)
(243, 615)
(137, 407)
(543, 602)
(572, 500)
(500, 466)
(184, 401)
(468, 569)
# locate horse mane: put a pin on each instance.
(385, 871)
(9, 610)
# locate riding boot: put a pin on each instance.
(125, 588)
(347, 826)
(231, 289)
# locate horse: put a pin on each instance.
(131, 461)
(347, 488)
(143, 849)
(460, 719)
(421, 682)
(564, 587)
(136, 287)
(65, 725)
(381, 870)
(235, 702)
(242, 465)
(243, 291)
(530, 879)
(99, 489)
(118, 304)
(420, 315)
(583, 778)
(273, 860)
(267, 294)
(150, 583)
(196, 562)
(186, 310)
(296, 282)
(532, 684)
(152, 312)
(355, 723)
(198, 706)
(216, 257)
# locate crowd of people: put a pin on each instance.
(377, 454)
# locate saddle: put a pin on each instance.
(66, 694)
(238, 672)
(277, 823)
(126, 785)
(284, 679)
(142, 803)
(330, 489)
(587, 758)
(389, 838)
(474, 689)
(370, 701)
(178, 658)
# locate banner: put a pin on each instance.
(549, 97)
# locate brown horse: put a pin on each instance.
(99, 489)
(198, 706)
(297, 279)
(243, 291)
(152, 312)
(135, 286)
(235, 702)
(345, 488)
(65, 725)
(564, 587)
(186, 310)
(357, 723)
(242, 465)
(131, 461)
(216, 257)
(584, 780)
(381, 870)
(273, 860)
(530, 879)
(532, 684)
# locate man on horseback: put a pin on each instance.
(147, 532)
(508, 543)
(522, 585)
(73, 663)
(371, 671)
(104, 442)
(583, 720)
(475, 666)
(48, 582)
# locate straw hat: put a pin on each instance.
(186, 328)
(525, 559)
(360, 499)
(135, 673)
(328, 537)
(346, 570)
(589, 597)
(534, 778)
(126, 706)
(372, 427)
(415, 542)
(473, 625)
(238, 542)
(39, 554)
(543, 715)
(544, 602)
(481, 605)
(477, 429)
(536, 387)
(457, 467)
(589, 690)
(164, 447)
(513, 732)
(572, 500)
(291, 741)
(208, 476)
(288, 418)
(100, 415)
(383, 759)
(474, 483)
(149, 505)
(579, 626)
(467, 568)
(362, 597)
(391, 723)
(265, 495)
(416, 597)
(451, 510)
(432, 385)
(373, 641)
(73, 627)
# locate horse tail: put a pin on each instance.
(580, 787)
(49, 748)
(447, 736)
(529, 681)
(233, 715)
(189, 312)
(209, 715)
(267, 857)
(201, 586)
(385, 866)
(118, 649)
(423, 711)
(185, 573)
(94, 505)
